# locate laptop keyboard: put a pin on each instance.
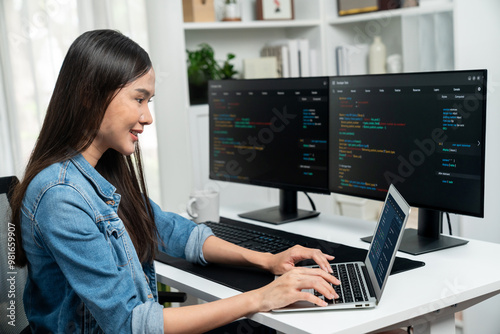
(250, 239)
(351, 288)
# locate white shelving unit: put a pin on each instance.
(246, 38)
(422, 35)
(414, 32)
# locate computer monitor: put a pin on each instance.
(271, 133)
(422, 132)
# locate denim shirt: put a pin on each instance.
(84, 274)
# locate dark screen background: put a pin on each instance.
(422, 132)
(270, 132)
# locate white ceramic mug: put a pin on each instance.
(203, 205)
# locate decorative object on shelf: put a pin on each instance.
(349, 7)
(231, 11)
(395, 4)
(198, 10)
(201, 67)
(377, 56)
(394, 63)
(389, 4)
(275, 10)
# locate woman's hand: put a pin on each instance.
(287, 289)
(285, 261)
(281, 292)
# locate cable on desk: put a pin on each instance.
(310, 201)
(449, 222)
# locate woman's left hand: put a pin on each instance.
(282, 262)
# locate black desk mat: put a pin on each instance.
(250, 278)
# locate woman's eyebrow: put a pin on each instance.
(144, 91)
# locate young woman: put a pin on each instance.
(87, 230)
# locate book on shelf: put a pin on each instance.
(303, 51)
(313, 63)
(260, 68)
(350, 7)
(293, 56)
(280, 52)
(352, 59)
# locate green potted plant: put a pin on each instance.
(201, 67)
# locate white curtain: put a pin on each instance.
(7, 140)
(34, 37)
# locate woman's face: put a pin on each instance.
(124, 120)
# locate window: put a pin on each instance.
(39, 34)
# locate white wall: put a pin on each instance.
(477, 31)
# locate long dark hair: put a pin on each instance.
(97, 65)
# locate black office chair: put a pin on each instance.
(171, 297)
(14, 276)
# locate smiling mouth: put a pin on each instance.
(135, 135)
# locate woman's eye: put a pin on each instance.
(139, 100)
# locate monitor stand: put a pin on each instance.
(286, 212)
(428, 237)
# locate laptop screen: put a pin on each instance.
(386, 237)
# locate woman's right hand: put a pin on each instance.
(283, 291)
(287, 288)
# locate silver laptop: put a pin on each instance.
(363, 282)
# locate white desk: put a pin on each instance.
(426, 298)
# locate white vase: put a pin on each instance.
(394, 63)
(231, 12)
(377, 56)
